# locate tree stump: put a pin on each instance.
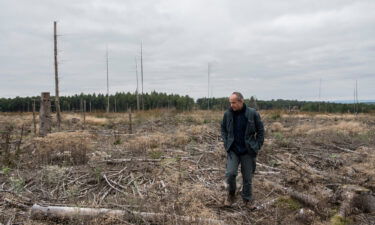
(45, 114)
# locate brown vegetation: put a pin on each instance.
(313, 169)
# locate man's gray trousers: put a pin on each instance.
(248, 164)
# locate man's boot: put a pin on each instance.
(249, 205)
(230, 200)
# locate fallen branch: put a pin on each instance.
(256, 173)
(16, 204)
(317, 174)
(344, 149)
(136, 186)
(118, 161)
(356, 197)
(304, 198)
(269, 167)
(266, 172)
(38, 211)
(109, 183)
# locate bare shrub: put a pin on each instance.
(63, 147)
(276, 127)
(193, 199)
(53, 174)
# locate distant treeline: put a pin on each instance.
(120, 102)
(293, 105)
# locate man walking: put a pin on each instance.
(243, 134)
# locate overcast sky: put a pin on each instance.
(270, 49)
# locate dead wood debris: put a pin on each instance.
(184, 182)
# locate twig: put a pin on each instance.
(106, 179)
(136, 186)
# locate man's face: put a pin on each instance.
(235, 104)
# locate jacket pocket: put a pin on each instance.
(251, 126)
(252, 145)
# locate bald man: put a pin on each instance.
(242, 131)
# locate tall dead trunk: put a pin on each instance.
(34, 120)
(57, 98)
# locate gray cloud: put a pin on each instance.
(271, 49)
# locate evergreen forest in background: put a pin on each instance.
(121, 102)
(292, 105)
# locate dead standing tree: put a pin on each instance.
(5, 144)
(107, 80)
(57, 99)
(208, 86)
(34, 120)
(142, 97)
(130, 121)
(137, 90)
(45, 119)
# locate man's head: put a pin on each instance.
(236, 101)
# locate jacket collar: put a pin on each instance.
(243, 110)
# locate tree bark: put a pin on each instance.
(57, 98)
(38, 211)
(45, 114)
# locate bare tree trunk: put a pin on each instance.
(34, 120)
(130, 121)
(115, 104)
(45, 114)
(142, 97)
(208, 86)
(81, 107)
(38, 211)
(84, 114)
(107, 83)
(57, 98)
(137, 90)
(304, 198)
(6, 136)
(18, 150)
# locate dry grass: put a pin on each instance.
(345, 127)
(194, 199)
(276, 127)
(187, 180)
(16, 119)
(63, 147)
(197, 129)
(156, 140)
(96, 121)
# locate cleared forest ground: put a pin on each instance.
(312, 169)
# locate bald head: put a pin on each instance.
(236, 101)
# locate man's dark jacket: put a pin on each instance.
(254, 134)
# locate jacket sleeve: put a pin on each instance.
(224, 132)
(259, 129)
